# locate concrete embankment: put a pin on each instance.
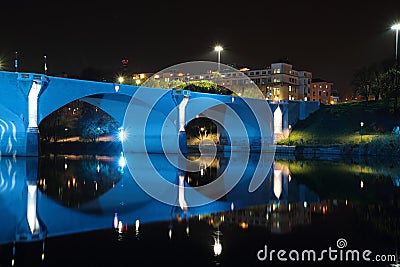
(314, 151)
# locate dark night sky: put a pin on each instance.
(332, 39)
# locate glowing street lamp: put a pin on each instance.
(121, 135)
(218, 49)
(361, 124)
(396, 27)
(120, 79)
(45, 64)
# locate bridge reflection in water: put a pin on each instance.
(59, 195)
(89, 192)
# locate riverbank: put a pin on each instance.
(346, 129)
(389, 148)
(365, 149)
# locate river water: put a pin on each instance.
(88, 210)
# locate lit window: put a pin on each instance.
(277, 70)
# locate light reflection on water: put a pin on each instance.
(43, 200)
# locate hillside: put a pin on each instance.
(341, 124)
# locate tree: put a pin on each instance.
(377, 81)
(94, 123)
(205, 86)
(362, 82)
(53, 127)
(380, 80)
(155, 83)
(50, 127)
(389, 85)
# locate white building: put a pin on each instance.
(281, 82)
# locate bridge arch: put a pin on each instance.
(201, 128)
(228, 110)
(76, 121)
(60, 91)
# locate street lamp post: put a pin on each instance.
(202, 131)
(361, 124)
(16, 61)
(290, 127)
(218, 49)
(45, 64)
(396, 27)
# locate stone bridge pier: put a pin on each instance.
(19, 94)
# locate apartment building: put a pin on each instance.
(280, 81)
(323, 92)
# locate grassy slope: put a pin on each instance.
(340, 124)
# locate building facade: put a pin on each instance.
(281, 82)
(323, 91)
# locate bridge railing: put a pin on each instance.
(32, 76)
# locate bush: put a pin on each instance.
(387, 145)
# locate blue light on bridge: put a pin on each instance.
(121, 134)
(122, 162)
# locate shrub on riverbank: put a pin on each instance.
(387, 145)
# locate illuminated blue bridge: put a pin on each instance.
(26, 99)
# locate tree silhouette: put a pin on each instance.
(94, 123)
